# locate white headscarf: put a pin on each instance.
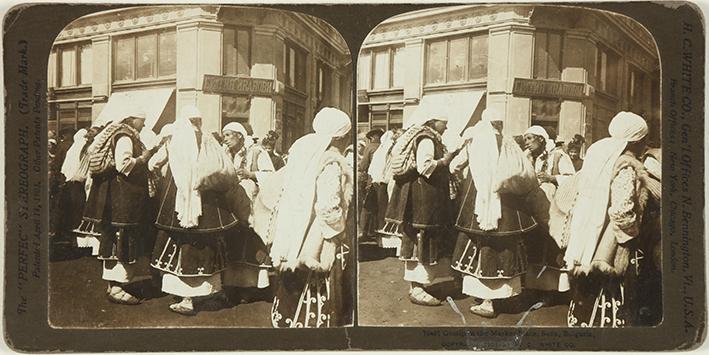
(182, 156)
(589, 212)
(378, 164)
(73, 155)
(483, 155)
(549, 144)
(132, 112)
(295, 209)
(236, 127)
(423, 115)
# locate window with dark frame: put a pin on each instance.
(145, 56)
(237, 51)
(296, 70)
(545, 113)
(636, 81)
(74, 65)
(324, 84)
(385, 116)
(381, 69)
(74, 115)
(364, 71)
(607, 71)
(547, 54)
(236, 61)
(456, 60)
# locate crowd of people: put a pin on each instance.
(519, 219)
(220, 217)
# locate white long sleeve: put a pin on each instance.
(123, 155)
(425, 162)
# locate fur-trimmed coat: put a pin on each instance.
(333, 195)
(628, 199)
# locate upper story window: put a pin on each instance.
(237, 51)
(607, 71)
(457, 59)
(144, 56)
(74, 65)
(636, 82)
(547, 55)
(295, 67)
(324, 84)
(382, 68)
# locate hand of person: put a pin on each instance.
(544, 177)
(145, 156)
(447, 157)
(245, 174)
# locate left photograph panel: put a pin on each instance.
(200, 170)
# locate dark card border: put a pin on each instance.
(33, 27)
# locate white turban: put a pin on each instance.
(423, 115)
(594, 187)
(331, 122)
(628, 126)
(549, 144)
(235, 127)
(134, 112)
(537, 131)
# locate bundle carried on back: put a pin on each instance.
(403, 155)
(100, 152)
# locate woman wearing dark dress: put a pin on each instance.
(490, 252)
(196, 211)
(420, 206)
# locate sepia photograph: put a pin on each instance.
(198, 171)
(509, 169)
(371, 176)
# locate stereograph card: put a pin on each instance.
(439, 176)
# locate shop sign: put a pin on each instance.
(231, 85)
(548, 88)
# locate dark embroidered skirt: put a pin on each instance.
(189, 254)
(514, 218)
(599, 301)
(309, 299)
(632, 299)
(124, 244)
(426, 246)
(490, 257)
(423, 202)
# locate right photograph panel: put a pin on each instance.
(509, 169)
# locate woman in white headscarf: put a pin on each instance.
(491, 222)
(604, 227)
(311, 250)
(552, 166)
(246, 275)
(420, 204)
(195, 212)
